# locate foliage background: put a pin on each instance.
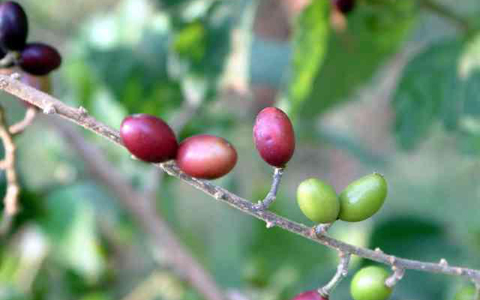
(396, 92)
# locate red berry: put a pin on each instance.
(39, 59)
(344, 6)
(148, 138)
(309, 295)
(206, 156)
(13, 26)
(274, 136)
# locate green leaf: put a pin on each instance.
(450, 96)
(71, 224)
(310, 45)
(375, 31)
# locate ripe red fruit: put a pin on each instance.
(13, 26)
(274, 136)
(344, 6)
(148, 138)
(206, 156)
(39, 59)
(310, 295)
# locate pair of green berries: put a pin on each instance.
(359, 201)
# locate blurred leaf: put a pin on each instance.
(421, 98)
(374, 33)
(71, 224)
(310, 44)
(451, 96)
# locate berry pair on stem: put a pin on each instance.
(34, 58)
(152, 140)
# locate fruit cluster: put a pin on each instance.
(34, 58)
(206, 156)
(359, 201)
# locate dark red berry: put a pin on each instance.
(39, 59)
(13, 26)
(274, 136)
(206, 156)
(310, 295)
(148, 138)
(344, 6)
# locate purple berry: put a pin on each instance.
(274, 136)
(148, 138)
(13, 26)
(39, 59)
(206, 156)
(344, 6)
(310, 295)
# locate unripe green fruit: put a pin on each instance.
(369, 284)
(362, 198)
(318, 201)
(466, 293)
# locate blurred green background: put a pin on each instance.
(394, 87)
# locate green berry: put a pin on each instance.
(369, 284)
(362, 198)
(318, 201)
(466, 293)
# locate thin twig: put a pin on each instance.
(43, 101)
(342, 271)
(396, 276)
(272, 194)
(8, 164)
(27, 120)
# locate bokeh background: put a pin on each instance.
(393, 87)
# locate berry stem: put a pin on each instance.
(10, 199)
(396, 276)
(342, 271)
(272, 194)
(43, 101)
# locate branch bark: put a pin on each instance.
(80, 117)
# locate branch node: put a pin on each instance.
(49, 109)
(443, 262)
(82, 111)
(269, 224)
(15, 75)
(219, 195)
(321, 229)
(378, 250)
(392, 259)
